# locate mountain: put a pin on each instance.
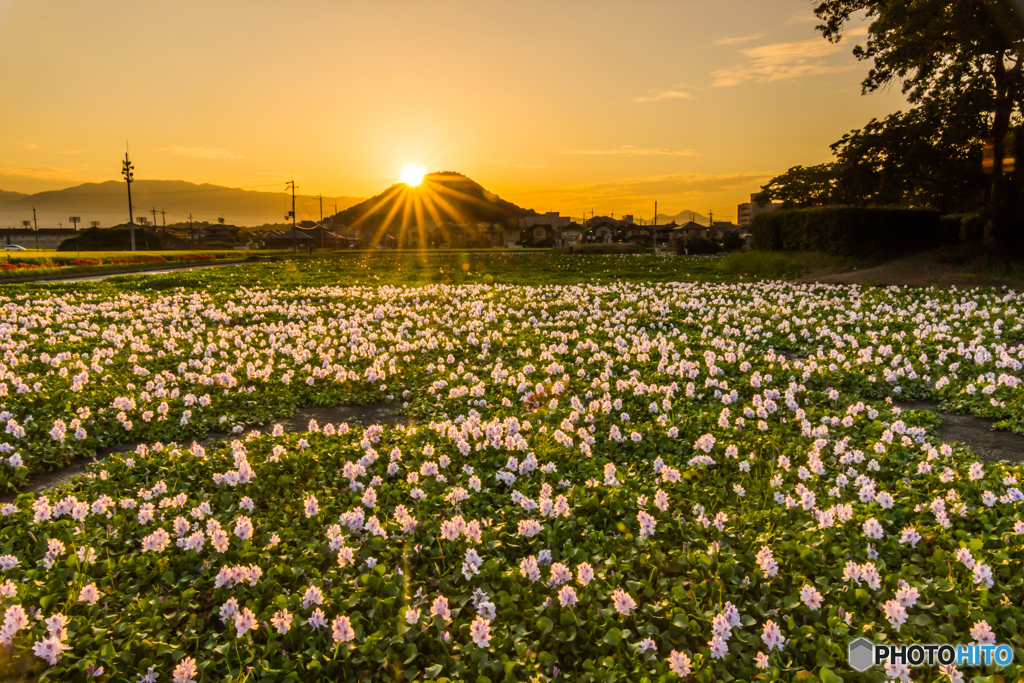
(682, 217)
(442, 197)
(10, 197)
(108, 203)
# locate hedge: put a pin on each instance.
(850, 230)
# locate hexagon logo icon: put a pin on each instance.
(861, 654)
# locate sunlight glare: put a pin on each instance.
(412, 175)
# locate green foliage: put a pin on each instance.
(772, 265)
(847, 230)
(802, 186)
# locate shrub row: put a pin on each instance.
(850, 230)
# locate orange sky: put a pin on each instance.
(554, 105)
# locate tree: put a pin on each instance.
(802, 186)
(929, 156)
(945, 53)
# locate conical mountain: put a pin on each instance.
(444, 197)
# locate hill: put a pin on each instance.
(442, 197)
(108, 203)
(682, 217)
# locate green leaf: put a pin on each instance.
(613, 636)
(829, 676)
(432, 671)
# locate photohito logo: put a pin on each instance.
(863, 654)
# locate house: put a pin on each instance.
(691, 230)
(642, 235)
(718, 230)
(286, 239)
(663, 234)
(219, 232)
(571, 233)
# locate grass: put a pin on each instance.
(513, 267)
(792, 264)
(762, 264)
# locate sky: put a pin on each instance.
(555, 105)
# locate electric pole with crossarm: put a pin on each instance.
(128, 171)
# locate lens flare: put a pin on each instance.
(412, 175)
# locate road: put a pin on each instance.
(164, 271)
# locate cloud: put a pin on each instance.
(41, 172)
(780, 61)
(631, 151)
(677, 186)
(203, 152)
(28, 145)
(802, 18)
(737, 40)
(659, 95)
(515, 163)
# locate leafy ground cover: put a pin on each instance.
(610, 480)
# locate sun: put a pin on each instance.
(412, 175)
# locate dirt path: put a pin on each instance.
(381, 413)
(928, 269)
(987, 443)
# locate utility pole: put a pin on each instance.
(295, 236)
(35, 223)
(154, 216)
(128, 172)
(163, 217)
(190, 235)
(321, 221)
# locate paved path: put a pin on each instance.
(162, 271)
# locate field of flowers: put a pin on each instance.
(611, 481)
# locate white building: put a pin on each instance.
(550, 218)
(745, 212)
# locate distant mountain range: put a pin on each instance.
(108, 203)
(442, 197)
(682, 217)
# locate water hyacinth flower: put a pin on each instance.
(281, 621)
(317, 619)
(312, 507)
(647, 524)
(679, 663)
(412, 616)
(772, 636)
(872, 529)
(623, 602)
(341, 630)
(480, 632)
(895, 613)
(810, 597)
(185, 671)
(440, 608)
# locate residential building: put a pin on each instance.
(550, 218)
(745, 212)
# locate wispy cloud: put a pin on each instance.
(661, 95)
(515, 163)
(780, 61)
(679, 186)
(802, 18)
(41, 172)
(28, 145)
(631, 151)
(737, 40)
(203, 152)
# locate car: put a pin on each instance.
(14, 247)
